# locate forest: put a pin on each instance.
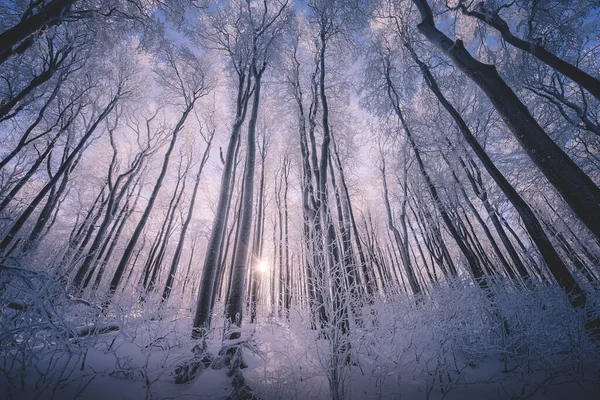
(299, 199)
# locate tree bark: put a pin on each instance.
(210, 268)
(178, 250)
(557, 267)
(116, 280)
(578, 190)
(235, 299)
(29, 26)
(493, 19)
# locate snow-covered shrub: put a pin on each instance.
(44, 333)
(54, 345)
(460, 337)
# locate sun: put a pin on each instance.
(263, 266)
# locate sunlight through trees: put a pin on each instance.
(329, 199)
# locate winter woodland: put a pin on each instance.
(299, 199)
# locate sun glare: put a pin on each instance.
(263, 267)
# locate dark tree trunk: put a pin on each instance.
(401, 242)
(557, 267)
(177, 255)
(115, 195)
(167, 231)
(20, 222)
(234, 309)
(20, 37)
(25, 138)
(287, 282)
(115, 240)
(493, 19)
(256, 257)
(116, 280)
(367, 284)
(16, 188)
(472, 260)
(51, 203)
(476, 182)
(578, 190)
(211, 265)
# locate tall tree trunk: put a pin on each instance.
(287, 282)
(110, 238)
(235, 298)
(481, 192)
(578, 190)
(178, 250)
(507, 268)
(115, 240)
(25, 138)
(115, 195)
(367, 284)
(20, 222)
(116, 280)
(556, 265)
(401, 242)
(78, 230)
(16, 188)
(211, 265)
(256, 257)
(51, 203)
(20, 37)
(167, 232)
(493, 19)
(17, 102)
(311, 227)
(340, 310)
(472, 260)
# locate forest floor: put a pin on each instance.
(401, 350)
(283, 364)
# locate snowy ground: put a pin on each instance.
(449, 346)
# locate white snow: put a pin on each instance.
(450, 345)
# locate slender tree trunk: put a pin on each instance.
(168, 231)
(211, 266)
(106, 246)
(507, 268)
(18, 38)
(493, 19)
(236, 242)
(115, 196)
(16, 188)
(309, 199)
(17, 102)
(20, 222)
(256, 257)
(578, 190)
(400, 241)
(368, 286)
(235, 299)
(472, 260)
(116, 280)
(115, 240)
(481, 193)
(25, 140)
(278, 304)
(46, 212)
(184, 286)
(287, 283)
(178, 250)
(557, 267)
(78, 230)
(340, 310)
